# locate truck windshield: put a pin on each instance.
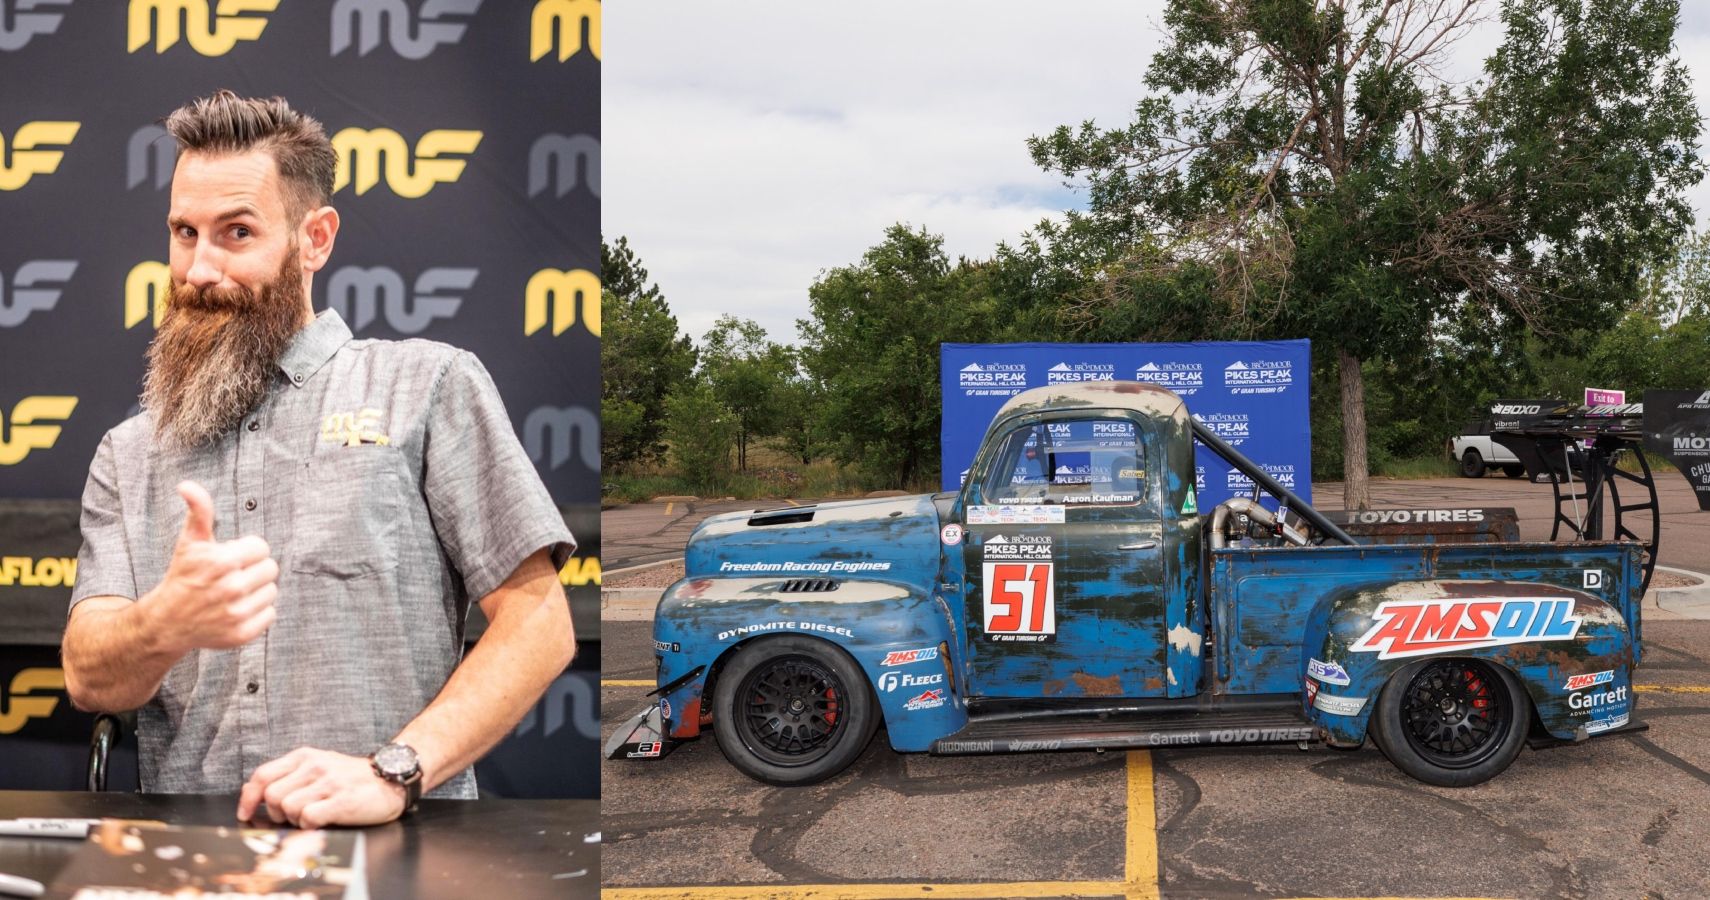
(1068, 461)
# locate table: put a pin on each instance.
(446, 849)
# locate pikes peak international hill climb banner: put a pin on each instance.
(1255, 395)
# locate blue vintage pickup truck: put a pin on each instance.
(1073, 596)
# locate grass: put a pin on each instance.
(772, 474)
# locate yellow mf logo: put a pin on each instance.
(24, 704)
(556, 291)
(560, 21)
(353, 428)
(147, 288)
(26, 434)
(580, 570)
(49, 571)
(360, 151)
(27, 162)
(229, 24)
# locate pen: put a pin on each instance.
(44, 828)
(20, 887)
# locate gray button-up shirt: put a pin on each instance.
(387, 479)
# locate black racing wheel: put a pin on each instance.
(793, 710)
(1451, 722)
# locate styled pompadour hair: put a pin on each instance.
(227, 123)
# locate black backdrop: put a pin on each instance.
(469, 196)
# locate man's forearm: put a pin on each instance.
(115, 656)
(527, 644)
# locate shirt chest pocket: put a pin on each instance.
(347, 514)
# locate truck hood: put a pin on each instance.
(890, 539)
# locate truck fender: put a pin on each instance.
(1570, 650)
(900, 637)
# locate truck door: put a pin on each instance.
(1064, 562)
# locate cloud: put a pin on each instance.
(748, 147)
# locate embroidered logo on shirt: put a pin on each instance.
(353, 428)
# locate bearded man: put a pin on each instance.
(280, 551)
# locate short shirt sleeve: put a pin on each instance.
(104, 562)
(487, 502)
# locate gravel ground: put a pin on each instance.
(661, 577)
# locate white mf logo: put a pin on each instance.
(1594, 579)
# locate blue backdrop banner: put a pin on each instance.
(1253, 394)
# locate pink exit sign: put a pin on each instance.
(1600, 397)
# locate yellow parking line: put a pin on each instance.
(791, 502)
(627, 682)
(669, 505)
(1140, 873)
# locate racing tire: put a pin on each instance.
(1514, 471)
(793, 710)
(1472, 465)
(1451, 722)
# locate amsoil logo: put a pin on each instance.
(1263, 376)
(904, 657)
(1581, 682)
(1407, 628)
(1183, 378)
(1233, 428)
(1063, 373)
(992, 379)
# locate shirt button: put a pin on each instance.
(254, 425)
(253, 687)
(297, 377)
(249, 504)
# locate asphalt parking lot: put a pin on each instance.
(1622, 816)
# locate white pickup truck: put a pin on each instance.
(1478, 453)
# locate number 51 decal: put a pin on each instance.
(1020, 602)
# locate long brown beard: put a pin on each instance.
(215, 354)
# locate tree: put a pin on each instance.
(642, 358)
(746, 372)
(873, 342)
(700, 430)
(1308, 171)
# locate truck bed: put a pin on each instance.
(1261, 597)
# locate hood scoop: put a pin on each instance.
(787, 515)
(808, 586)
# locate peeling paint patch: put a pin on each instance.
(1172, 675)
(1185, 638)
(1094, 686)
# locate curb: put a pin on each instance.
(1679, 603)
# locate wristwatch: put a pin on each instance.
(398, 764)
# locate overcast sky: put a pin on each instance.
(748, 147)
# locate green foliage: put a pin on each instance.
(872, 341)
(701, 431)
(748, 374)
(641, 359)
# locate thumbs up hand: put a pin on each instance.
(215, 594)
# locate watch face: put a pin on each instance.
(396, 760)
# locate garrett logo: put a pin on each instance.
(549, 432)
(558, 290)
(49, 571)
(555, 159)
(229, 24)
(562, 20)
(27, 161)
(360, 151)
(148, 287)
(150, 144)
(26, 434)
(24, 703)
(28, 294)
(363, 18)
(358, 293)
(26, 25)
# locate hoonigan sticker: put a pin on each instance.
(1403, 628)
(1020, 595)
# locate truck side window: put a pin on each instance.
(1071, 461)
